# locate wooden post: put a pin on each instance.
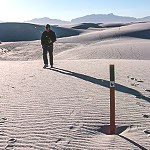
(112, 100)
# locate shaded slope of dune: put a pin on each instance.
(112, 25)
(97, 25)
(65, 32)
(10, 32)
(20, 32)
(86, 26)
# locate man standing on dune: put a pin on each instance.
(47, 39)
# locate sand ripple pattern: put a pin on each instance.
(65, 108)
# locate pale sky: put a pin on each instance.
(23, 10)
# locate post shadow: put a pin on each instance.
(134, 143)
(104, 83)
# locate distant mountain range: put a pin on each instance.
(94, 18)
(45, 20)
(144, 19)
(103, 18)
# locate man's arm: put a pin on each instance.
(42, 39)
(54, 37)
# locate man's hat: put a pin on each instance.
(47, 26)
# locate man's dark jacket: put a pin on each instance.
(48, 38)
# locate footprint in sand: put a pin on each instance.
(10, 144)
(62, 141)
(9, 147)
(142, 105)
(2, 133)
(130, 77)
(31, 76)
(135, 79)
(58, 140)
(134, 84)
(147, 90)
(147, 131)
(140, 81)
(146, 116)
(76, 126)
(71, 127)
(2, 120)
(12, 140)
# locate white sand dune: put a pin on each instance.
(139, 30)
(67, 107)
(127, 48)
(128, 42)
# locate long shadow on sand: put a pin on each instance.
(104, 83)
(134, 143)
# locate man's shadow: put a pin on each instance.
(104, 83)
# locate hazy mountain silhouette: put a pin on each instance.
(144, 19)
(93, 18)
(45, 20)
(104, 18)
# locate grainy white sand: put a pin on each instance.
(67, 107)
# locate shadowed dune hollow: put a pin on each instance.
(11, 32)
